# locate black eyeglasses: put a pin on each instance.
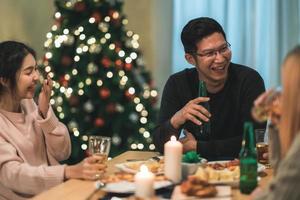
(213, 53)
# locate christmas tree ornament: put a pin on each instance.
(63, 81)
(79, 6)
(105, 62)
(104, 93)
(119, 64)
(128, 66)
(99, 122)
(97, 16)
(66, 60)
(129, 95)
(111, 108)
(74, 100)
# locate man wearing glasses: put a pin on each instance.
(231, 88)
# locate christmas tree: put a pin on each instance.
(101, 86)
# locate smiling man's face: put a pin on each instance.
(212, 59)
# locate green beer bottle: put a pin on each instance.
(248, 161)
(205, 127)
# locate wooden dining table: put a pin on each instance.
(75, 189)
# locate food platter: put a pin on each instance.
(223, 172)
(260, 167)
(223, 193)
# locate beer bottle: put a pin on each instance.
(248, 161)
(205, 127)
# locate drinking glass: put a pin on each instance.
(100, 146)
(262, 146)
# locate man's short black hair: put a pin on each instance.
(197, 29)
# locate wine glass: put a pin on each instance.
(99, 146)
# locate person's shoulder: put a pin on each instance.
(184, 73)
(242, 71)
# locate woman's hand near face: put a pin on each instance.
(91, 168)
(271, 105)
(44, 96)
(192, 111)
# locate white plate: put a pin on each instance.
(125, 167)
(129, 187)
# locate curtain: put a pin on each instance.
(260, 32)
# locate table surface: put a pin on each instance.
(79, 190)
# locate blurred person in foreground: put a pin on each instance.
(32, 140)
(284, 135)
(231, 88)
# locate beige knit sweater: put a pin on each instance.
(30, 148)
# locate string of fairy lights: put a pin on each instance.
(93, 45)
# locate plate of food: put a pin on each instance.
(123, 182)
(223, 172)
(195, 188)
(156, 166)
(231, 165)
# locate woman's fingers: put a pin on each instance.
(92, 174)
(92, 169)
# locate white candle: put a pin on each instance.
(173, 155)
(144, 181)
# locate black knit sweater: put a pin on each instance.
(230, 108)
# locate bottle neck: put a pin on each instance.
(248, 140)
(202, 89)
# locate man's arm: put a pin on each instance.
(174, 113)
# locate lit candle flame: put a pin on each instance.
(144, 168)
(173, 138)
